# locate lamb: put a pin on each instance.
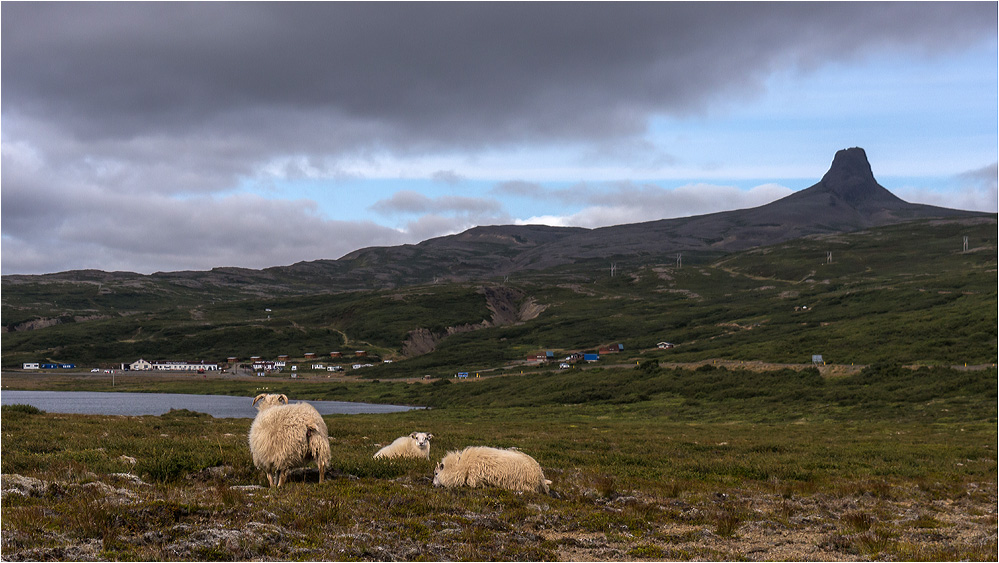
(479, 466)
(416, 444)
(283, 436)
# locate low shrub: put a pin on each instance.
(21, 408)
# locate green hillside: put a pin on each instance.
(905, 293)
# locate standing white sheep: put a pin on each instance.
(479, 466)
(416, 444)
(283, 436)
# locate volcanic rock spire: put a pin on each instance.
(850, 178)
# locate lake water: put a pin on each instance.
(137, 404)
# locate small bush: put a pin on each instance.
(25, 409)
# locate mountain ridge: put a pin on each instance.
(847, 198)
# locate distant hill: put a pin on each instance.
(847, 198)
(917, 292)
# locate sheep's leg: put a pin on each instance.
(281, 476)
(322, 471)
(270, 479)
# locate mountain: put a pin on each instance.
(847, 198)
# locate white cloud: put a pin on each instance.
(409, 201)
(432, 225)
(144, 233)
(518, 188)
(550, 220)
(975, 190)
(449, 177)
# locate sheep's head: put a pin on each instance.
(452, 460)
(437, 470)
(265, 401)
(422, 439)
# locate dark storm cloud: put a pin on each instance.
(430, 73)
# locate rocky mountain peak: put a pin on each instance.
(850, 177)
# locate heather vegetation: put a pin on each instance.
(646, 463)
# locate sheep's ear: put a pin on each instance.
(260, 396)
(412, 435)
(430, 436)
(283, 398)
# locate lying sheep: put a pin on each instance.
(478, 466)
(416, 444)
(283, 436)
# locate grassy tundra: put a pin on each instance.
(646, 463)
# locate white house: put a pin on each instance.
(31, 365)
(140, 365)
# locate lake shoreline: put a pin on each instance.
(157, 404)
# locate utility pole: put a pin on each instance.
(613, 268)
(829, 257)
(679, 262)
(965, 244)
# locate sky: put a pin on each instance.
(159, 136)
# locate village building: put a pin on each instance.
(163, 365)
(268, 366)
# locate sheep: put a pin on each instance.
(416, 444)
(283, 436)
(479, 466)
